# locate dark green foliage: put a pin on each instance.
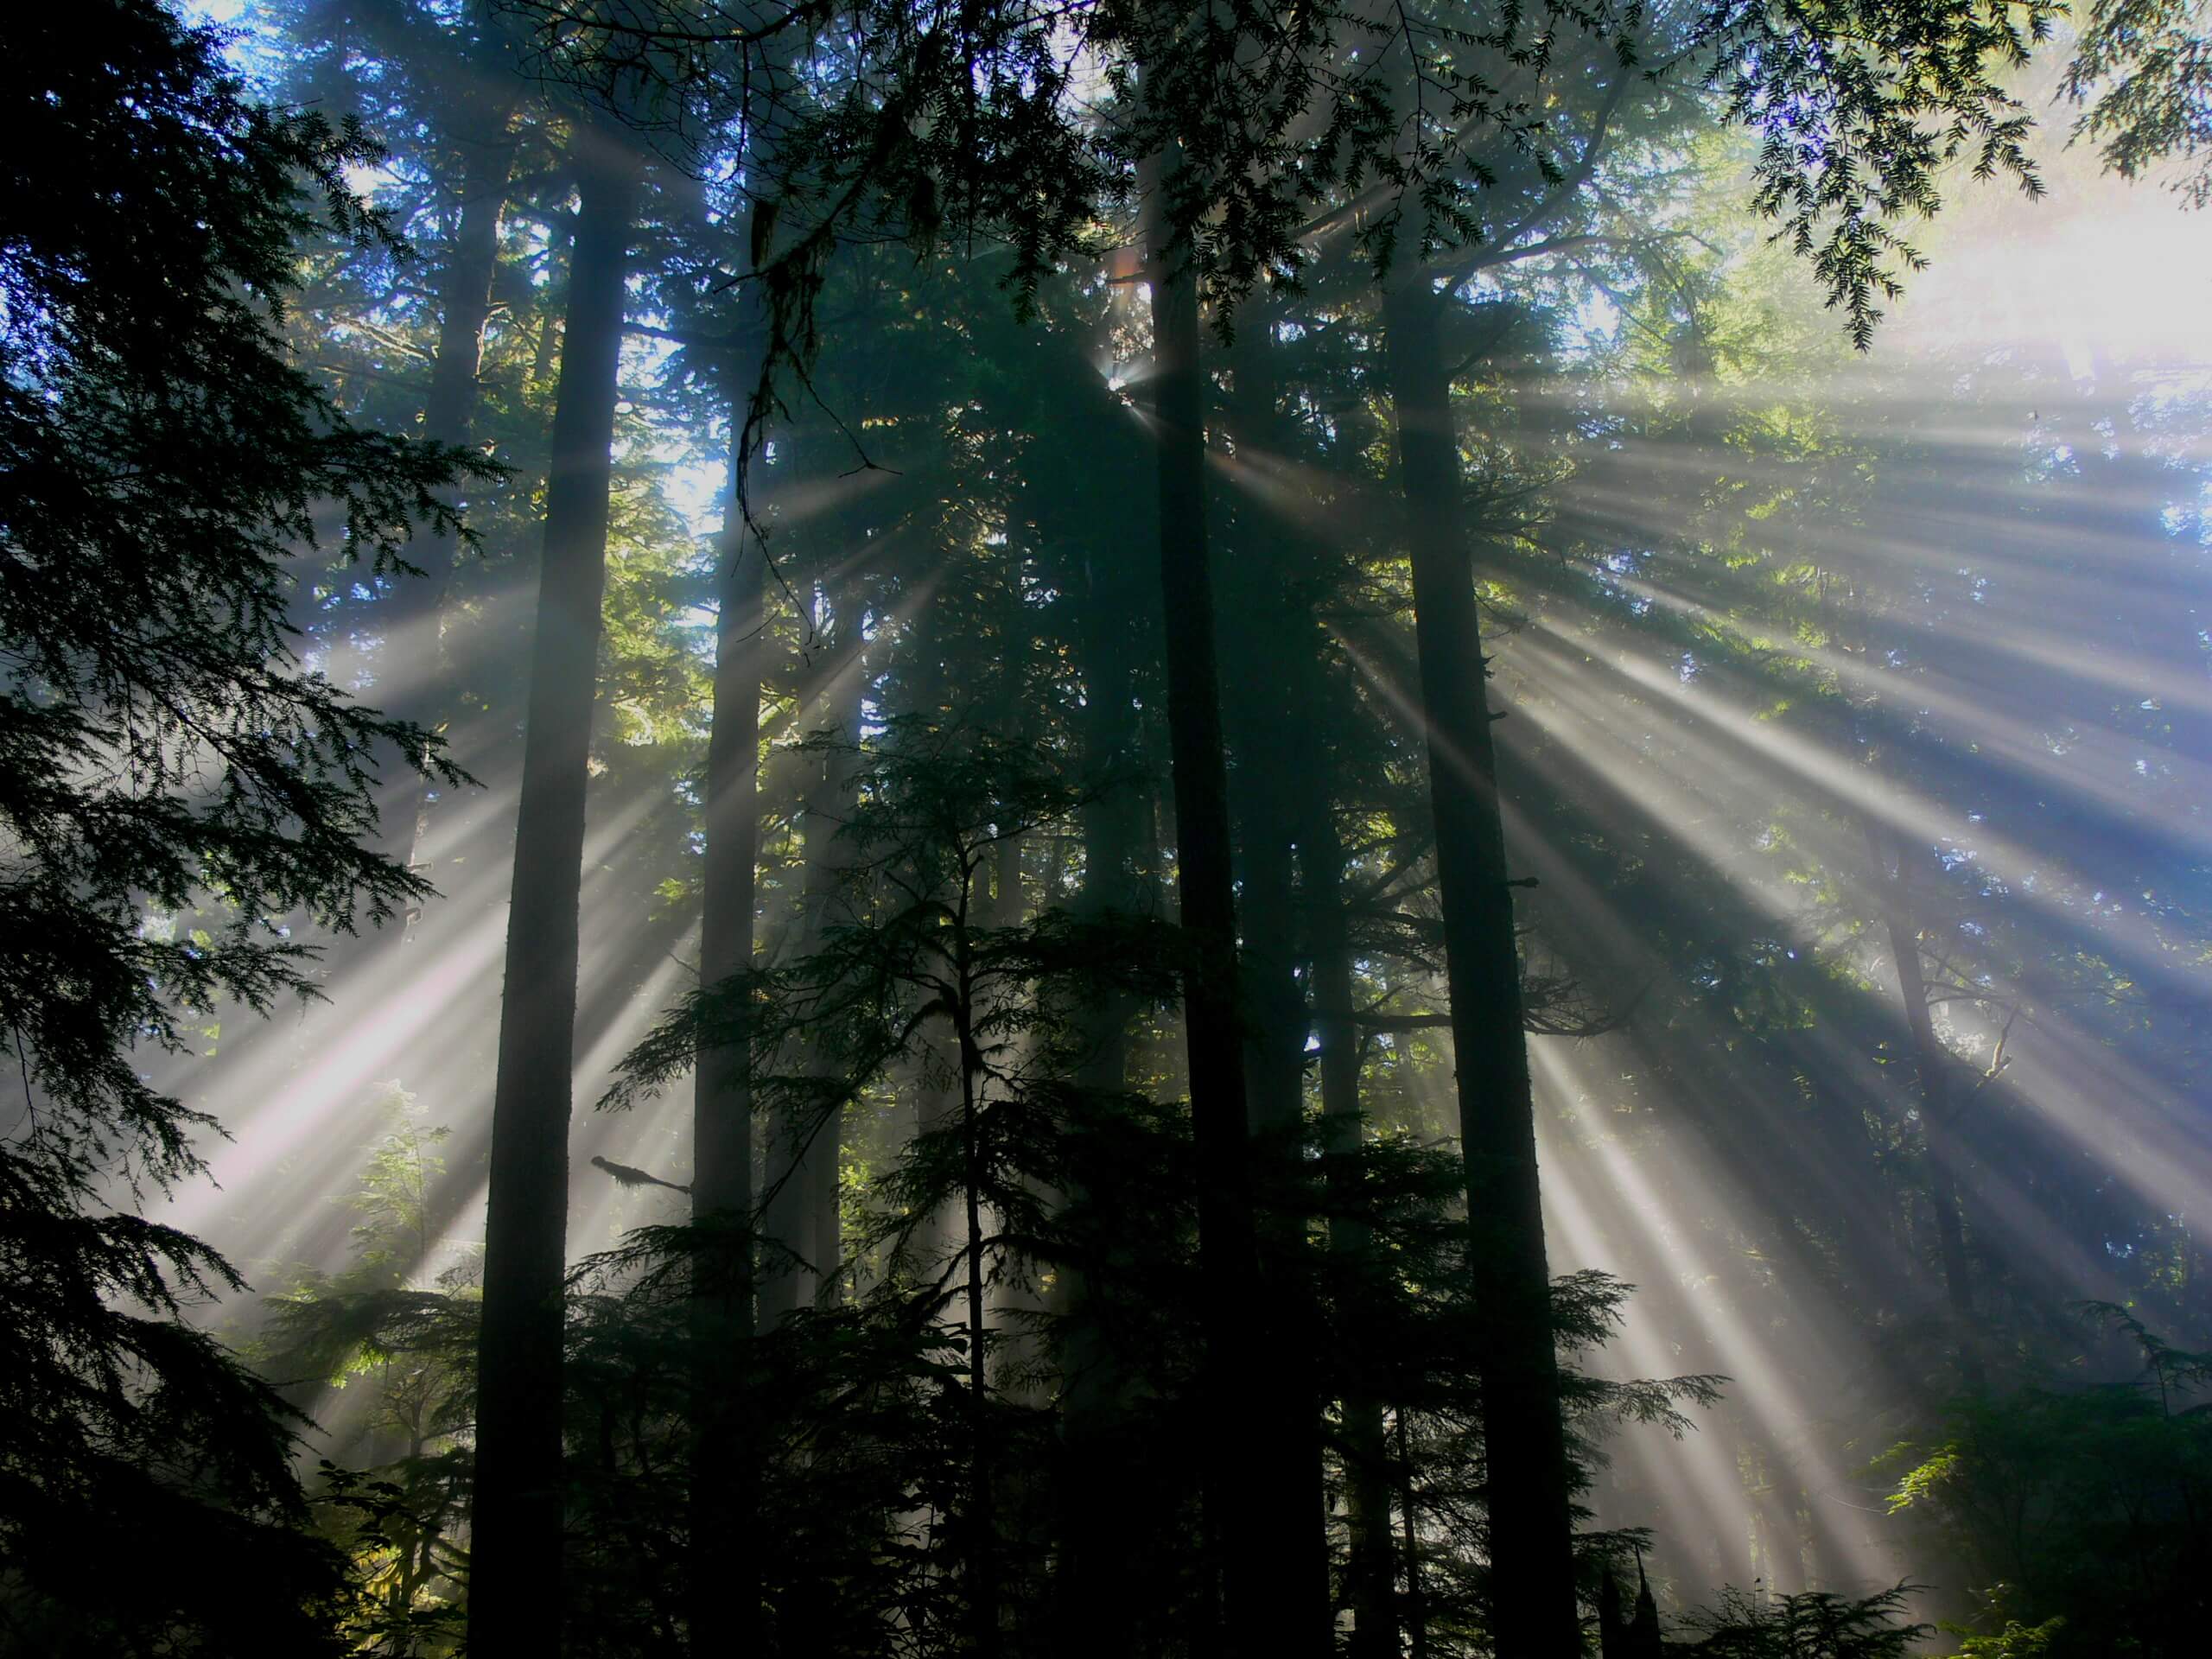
(1859, 105)
(1810, 1625)
(400, 1527)
(909, 973)
(1284, 121)
(389, 1365)
(2084, 1512)
(908, 924)
(2143, 68)
(1397, 1326)
(163, 462)
(846, 1416)
(175, 785)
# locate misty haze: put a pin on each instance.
(1106, 829)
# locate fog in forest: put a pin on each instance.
(1106, 830)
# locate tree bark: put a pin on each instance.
(1269, 688)
(725, 1586)
(1273, 1603)
(516, 1551)
(981, 1523)
(1416, 1596)
(1893, 892)
(801, 1212)
(1369, 1569)
(1533, 1609)
(1102, 1513)
(1260, 724)
(449, 416)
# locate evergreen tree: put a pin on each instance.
(518, 1552)
(175, 780)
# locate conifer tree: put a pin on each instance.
(517, 1545)
(174, 780)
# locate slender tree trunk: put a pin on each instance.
(1275, 1046)
(1102, 1512)
(1114, 820)
(801, 1202)
(516, 1566)
(1534, 1610)
(448, 416)
(1416, 1593)
(1274, 1605)
(724, 1579)
(1273, 664)
(1260, 724)
(982, 1520)
(1020, 1305)
(1893, 892)
(1369, 1571)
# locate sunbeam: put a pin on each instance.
(1049, 833)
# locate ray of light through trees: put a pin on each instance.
(1367, 829)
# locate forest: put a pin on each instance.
(1249, 829)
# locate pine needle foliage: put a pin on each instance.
(387, 1363)
(176, 784)
(986, 122)
(2079, 1511)
(1810, 1625)
(912, 971)
(2142, 75)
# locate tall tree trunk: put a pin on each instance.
(1276, 640)
(1893, 892)
(801, 1202)
(1273, 1602)
(1102, 1514)
(725, 1584)
(1116, 818)
(1416, 1594)
(981, 1523)
(1020, 1305)
(1532, 1554)
(1260, 724)
(515, 1579)
(448, 416)
(1370, 1570)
